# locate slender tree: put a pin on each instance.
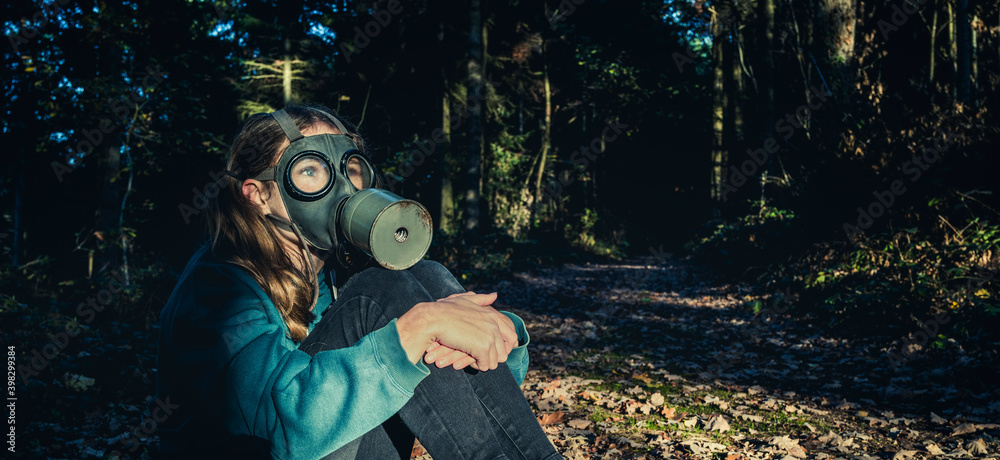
(447, 213)
(720, 156)
(766, 98)
(475, 100)
(963, 45)
(546, 130)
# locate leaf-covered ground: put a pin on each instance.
(642, 359)
(655, 359)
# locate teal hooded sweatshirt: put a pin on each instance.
(232, 384)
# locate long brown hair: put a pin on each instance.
(239, 232)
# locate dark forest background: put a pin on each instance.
(842, 149)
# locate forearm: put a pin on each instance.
(337, 396)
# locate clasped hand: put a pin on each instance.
(461, 330)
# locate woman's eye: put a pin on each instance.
(310, 175)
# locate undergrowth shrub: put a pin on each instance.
(907, 277)
(765, 236)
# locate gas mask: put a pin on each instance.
(327, 187)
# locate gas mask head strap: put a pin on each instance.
(292, 132)
(287, 125)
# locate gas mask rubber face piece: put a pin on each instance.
(320, 176)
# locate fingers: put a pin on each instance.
(445, 357)
(507, 329)
(464, 362)
(482, 300)
(457, 295)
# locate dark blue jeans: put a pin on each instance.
(456, 414)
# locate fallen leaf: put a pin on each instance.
(797, 452)
(671, 413)
(552, 418)
(935, 418)
(696, 448)
(631, 406)
(717, 423)
(977, 447)
(933, 449)
(783, 442)
(579, 423)
(417, 449)
(643, 378)
(656, 399)
(833, 439)
(964, 428)
(904, 454)
(750, 417)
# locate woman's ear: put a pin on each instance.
(256, 193)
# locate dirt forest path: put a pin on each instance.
(653, 358)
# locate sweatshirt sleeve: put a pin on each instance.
(262, 386)
(517, 360)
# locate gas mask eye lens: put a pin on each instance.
(357, 169)
(310, 174)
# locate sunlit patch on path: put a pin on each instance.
(657, 359)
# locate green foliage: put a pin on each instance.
(509, 199)
(584, 236)
(763, 236)
(910, 276)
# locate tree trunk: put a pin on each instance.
(975, 63)
(840, 20)
(953, 49)
(719, 102)
(594, 168)
(736, 93)
(447, 214)
(767, 85)
(475, 100)
(934, 21)
(733, 126)
(546, 131)
(286, 74)
(964, 52)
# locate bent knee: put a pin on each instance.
(436, 278)
(382, 278)
(430, 269)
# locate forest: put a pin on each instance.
(631, 176)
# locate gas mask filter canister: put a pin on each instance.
(327, 185)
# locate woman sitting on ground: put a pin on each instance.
(264, 354)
